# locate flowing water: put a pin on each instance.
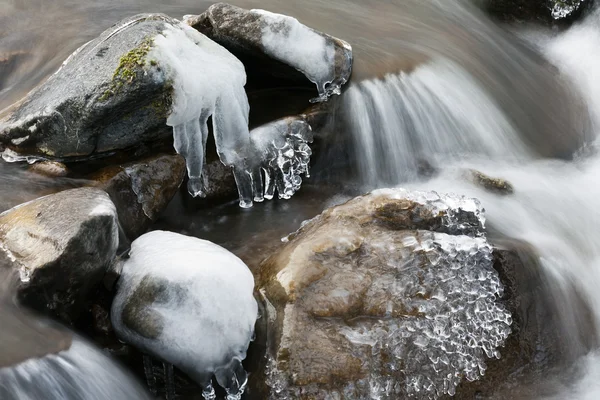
(438, 89)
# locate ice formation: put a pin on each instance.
(282, 155)
(440, 290)
(188, 302)
(209, 81)
(81, 372)
(286, 39)
(563, 9)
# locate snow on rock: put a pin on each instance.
(189, 302)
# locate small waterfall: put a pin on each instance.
(438, 113)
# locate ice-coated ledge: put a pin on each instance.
(323, 59)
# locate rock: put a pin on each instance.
(188, 302)
(49, 168)
(268, 44)
(61, 245)
(537, 10)
(141, 190)
(123, 103)
(390, 295)
(494, 185)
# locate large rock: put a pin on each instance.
(141, 190)
(269, 44)
(106, 96)
(390, 295)
(61, 246)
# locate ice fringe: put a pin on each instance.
(188, 302)
(209, 81)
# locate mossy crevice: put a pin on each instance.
(129, 67)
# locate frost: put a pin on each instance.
(286, 39)
(189, 302)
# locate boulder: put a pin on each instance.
(106, 96)
(493, 185)
(273, 46)
(141, 190)
(390, 295)
(60, 245)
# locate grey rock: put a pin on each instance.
(106, 96)
(60, 245)
(141, 190)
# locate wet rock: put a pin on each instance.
(61, 246)
(537, 10)
(390, 295)
(494, 185)
(269, 44)
(141, 190)
(75, 113)
(49, 168)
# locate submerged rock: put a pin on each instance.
(141, 190)
(60, 245)
(266, 40)
(390, 295)
(188, 302)
(494, 185)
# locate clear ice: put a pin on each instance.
(200, 298)
(209, 81)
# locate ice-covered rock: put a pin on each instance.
(324, 60)
(542, 10)
(60, 245)
(151, 71)
(391, 295)
(188, 302)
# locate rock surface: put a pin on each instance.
(124, 102)
(61, 246)
(389, 295)
(141, 190)
(267, 43)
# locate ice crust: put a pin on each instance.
(206, 307)
(450, 288)
(286, 39)
(208, 81)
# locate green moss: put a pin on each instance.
(162, 106)
(129, 66)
